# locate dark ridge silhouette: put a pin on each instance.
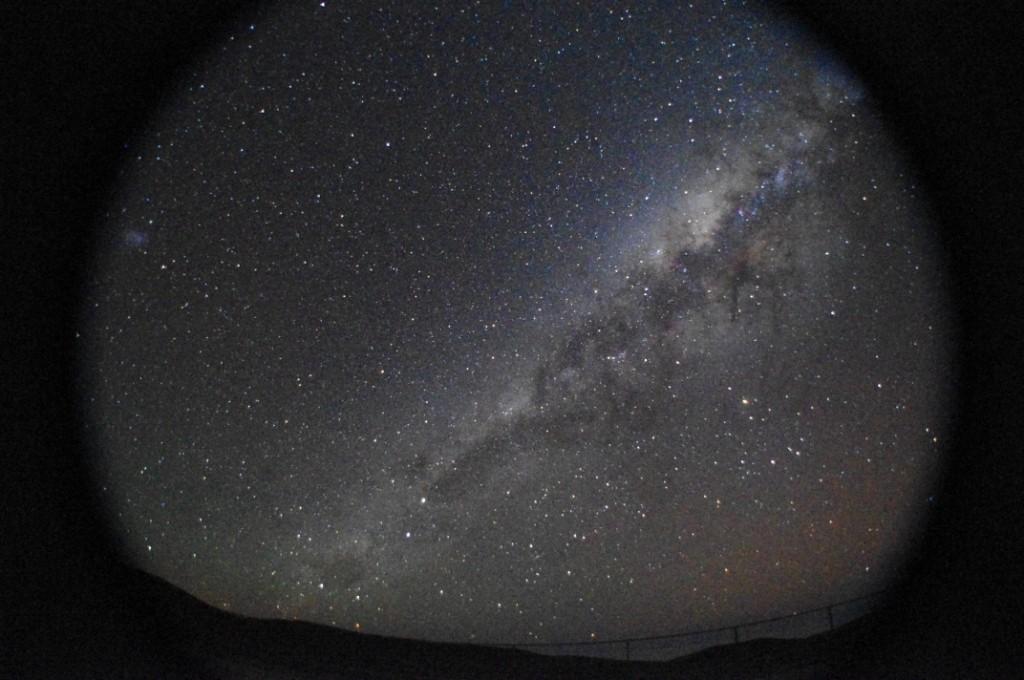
(198, 640)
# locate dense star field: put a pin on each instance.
(478, 322)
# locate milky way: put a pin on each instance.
(509, 325)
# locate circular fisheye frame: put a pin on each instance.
(480, 324)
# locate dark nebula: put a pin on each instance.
(485, 322)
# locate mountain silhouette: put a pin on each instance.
(167, 632)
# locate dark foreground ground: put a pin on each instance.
(151, 629)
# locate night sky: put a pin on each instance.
(502, 323)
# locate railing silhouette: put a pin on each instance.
(663, 647)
